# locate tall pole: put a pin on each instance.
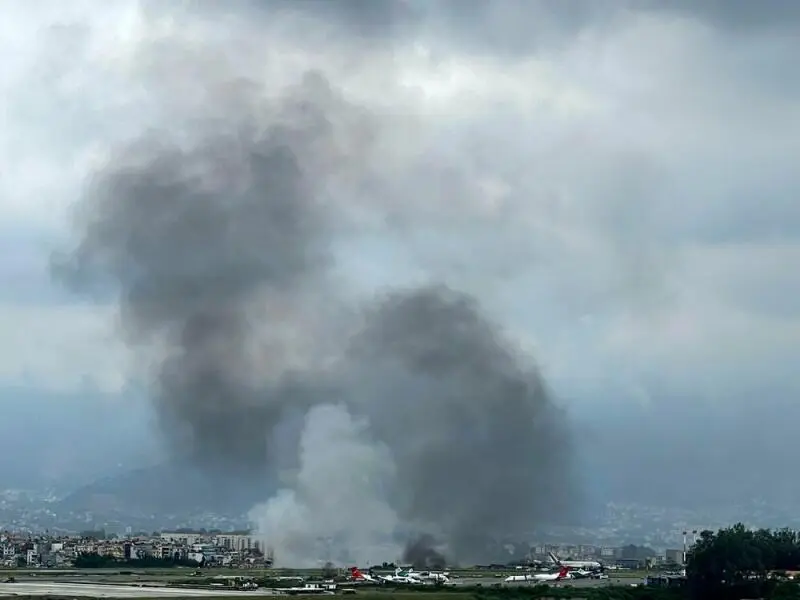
(684, 547)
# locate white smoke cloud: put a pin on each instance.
(335, 510)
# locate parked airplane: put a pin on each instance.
(589, 565)
(432, 576)
(399, 578)
(562, 574)
(585, 574)
(403, 577)
(581, 573)
(358, 577)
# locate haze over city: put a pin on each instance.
(269, 238)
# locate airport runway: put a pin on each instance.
(490, 581)
(97, 590)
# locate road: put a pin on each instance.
(98, 590)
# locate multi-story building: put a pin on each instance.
(608, 553)
(185, 539)
(236, 542)
(32, 558)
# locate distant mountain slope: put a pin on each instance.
(707, 457)
(62, 440)
(173, 488)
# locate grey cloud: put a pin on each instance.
(24, 256)
(369, 21)
(734, 15)
(671, 147)
(516, 27)
(509, 28)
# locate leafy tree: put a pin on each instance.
(99, 534)
(92, 560)
(738, 562)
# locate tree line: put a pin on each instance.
(737, 562)
(730, 564)
(93, 560)
(733, 563)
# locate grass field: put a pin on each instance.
(361, 596)
(238, 596)
(182, 572)
(618, 593)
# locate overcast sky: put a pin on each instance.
(615, 180)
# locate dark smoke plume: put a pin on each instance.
(198, 242)
(481, 451)
(222, 249)
(421, 553)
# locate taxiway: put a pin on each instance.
(98, 590)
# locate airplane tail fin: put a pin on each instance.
(356, 573)
(563, 573)
(554, 558)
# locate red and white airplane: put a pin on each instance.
(562, 574)
(359, 577)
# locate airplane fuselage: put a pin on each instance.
(540, 577)
(588, 565)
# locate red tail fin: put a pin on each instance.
(356, 573)
(563, 572)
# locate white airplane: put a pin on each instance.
(562, 574)
(432, 576)
(584, 574)
(408, 577)
(399, 578)
(311, 588)
(589, 565)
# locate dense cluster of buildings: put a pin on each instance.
(232, 550)
(241, 550)
(627, 557)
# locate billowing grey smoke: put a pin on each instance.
(417, 417)
(480, 450)
(200, 242)
(421, 553)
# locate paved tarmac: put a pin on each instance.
(489, 581)
(98, 590)
(90, 590)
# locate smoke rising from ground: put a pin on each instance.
(479, 448)
(420, 421)
(421, 553)
(335, 508)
